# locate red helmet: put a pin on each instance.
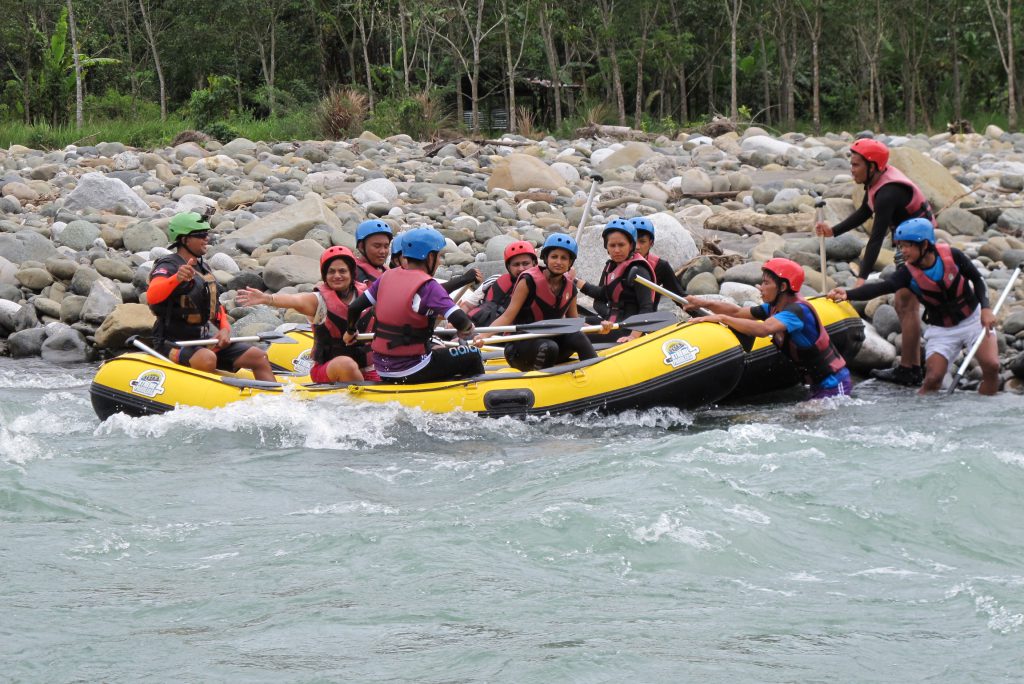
(520, 247)
(337, 252)
(790, 271)
(873, 151)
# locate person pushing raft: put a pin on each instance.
(406, 303)
(544, 293)
(793, 325)
(891, 198)
(184, 296)
(955, 300)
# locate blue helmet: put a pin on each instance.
(397, 244)
(559, 241)
(622, 226)
(915, 230)
(420, 242)
(642, 224)
(371, 227)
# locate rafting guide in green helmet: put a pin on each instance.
(185, 297)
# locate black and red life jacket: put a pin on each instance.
(949, 301)
(398, 330)
(185, 313)
(541, 303)
(496, 300)
(918, 206)
(366, 272)
(816, 362)
(621, 299)
(328, 336)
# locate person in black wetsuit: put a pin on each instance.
(955, 300)
(891, 198)
(664, 274)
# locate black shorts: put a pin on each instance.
(226, 357)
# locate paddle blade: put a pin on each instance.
(649, 322)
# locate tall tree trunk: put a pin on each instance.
(133, 78)
(620, 99)
(733, 7)
(78, 66)
(766, 79)
(954, 34)
(156, 59)
(361, 25)
(405, 50)
(547, 34)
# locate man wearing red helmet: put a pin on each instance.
(891, 198)
(327, 311)
(792, 324)
(493, 296)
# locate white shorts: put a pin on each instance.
(949, 341)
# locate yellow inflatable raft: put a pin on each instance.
(684, 365)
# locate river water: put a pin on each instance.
(873, 539)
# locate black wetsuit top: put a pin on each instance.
(890, 211)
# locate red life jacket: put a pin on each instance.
(816, 362)
(496, 300)
(398, 330)
(918, 207)
(328, 336)
(621, 301)
(946, 302)
(366, 272)
(541, 303)
(653, 259)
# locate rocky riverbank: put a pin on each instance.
(81, 226)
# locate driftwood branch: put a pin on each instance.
(600, 131)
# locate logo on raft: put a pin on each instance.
(679, 352)
(303, 363)
(149, 383)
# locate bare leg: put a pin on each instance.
(254, 359)
(343, 369)
(988, 358)
(909, 311)
(934, 371)
(204, 360)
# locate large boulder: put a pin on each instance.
(103, 298)
(28, 342)
(142, 237)
(291, 222)
(672, 240)
(767, 145)
(375, 190)
(876, 352)
(519, 172)
(78, 235)
(957, 221)
(886, 320)
(656, 168)
(96, 191)
(123, 322)
(629, 154)
(26, 245)
(290, 269)
(65, 345)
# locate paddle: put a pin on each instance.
(819, 216)
(139, 344)
(641, 322)
(745, 340)
(554, 326)
(270, 336)
(586, 207)
(981, 338)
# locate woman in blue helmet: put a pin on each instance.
(618, 289)
(406, 302)
(543, 293)
(955, 300)
(373, 240)
(664, 274)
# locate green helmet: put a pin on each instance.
(186, 224)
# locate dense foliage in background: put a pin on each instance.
(280, 68)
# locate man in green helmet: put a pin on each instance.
(185, 298)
